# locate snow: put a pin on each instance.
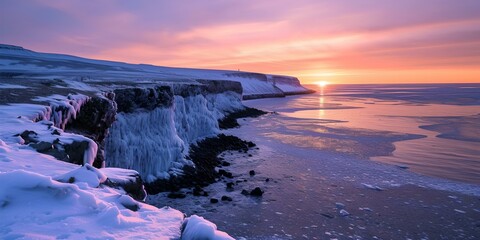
(155, 143)
(38, 202)
(196, 228)
(119, 175)
(17, 118)
(82, 72)
(86, 174)
(36, 207)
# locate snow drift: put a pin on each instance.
(34, 206)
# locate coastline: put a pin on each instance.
(304, 197)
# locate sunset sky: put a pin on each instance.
(340, 41)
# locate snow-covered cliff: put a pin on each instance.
(121, 122)
(19, 62)
(155, 126)
(151, 130)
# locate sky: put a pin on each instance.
(339, 41)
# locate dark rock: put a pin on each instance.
(131, 99)
(198, 191)
(225, 164)
(205, 156)
(221, 172)
(252, 172)
(227, 198)
(250, 155)
(267, 180)
(93, 121)
(230, 187)
(134, 188)
(176, 195)
(245, 192)
(28, 136)
(71, 180)
(76, 151)
(131, 207)
(55, 132)
(230, 121)
(327, 215)
(256, 192)
(213, 200)
(42, 147)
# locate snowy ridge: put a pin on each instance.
(19, 62)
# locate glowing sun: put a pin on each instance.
(322, 83)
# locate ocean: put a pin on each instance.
(441, 123)
(354, 162)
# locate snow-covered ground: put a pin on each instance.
(44, 198)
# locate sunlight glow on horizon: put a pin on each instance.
(322, 83)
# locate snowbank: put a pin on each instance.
(34, 206)
(79, 206)
(197, 228)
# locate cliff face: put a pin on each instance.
(140, 117)
(155, 126)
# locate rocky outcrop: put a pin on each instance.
(93, 121)
(67, 151)
(205, 155)
(156, 125)
(130, 99)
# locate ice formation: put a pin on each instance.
(63, 109)
(155, 143)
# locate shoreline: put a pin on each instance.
(302, 194)
(310, 204)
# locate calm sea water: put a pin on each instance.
(442, 123)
